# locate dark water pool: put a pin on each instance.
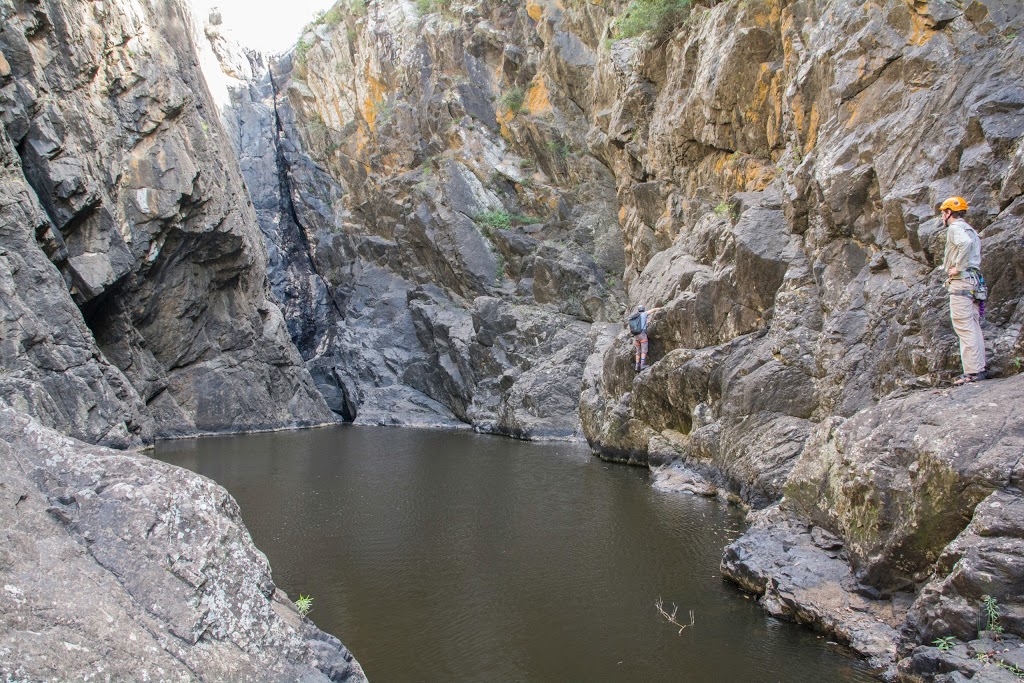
(440, 556)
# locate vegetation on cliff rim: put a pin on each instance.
(336, 14)
(658, 17)
(301, 53)
(424, 7)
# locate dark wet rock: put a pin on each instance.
(422, 220)
(116, 565)
(124, 175)
(981, 659)
(782, 560)
(51, 365)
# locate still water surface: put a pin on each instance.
(440, 556)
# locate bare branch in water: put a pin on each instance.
(671, 618)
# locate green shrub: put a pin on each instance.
(499, 273)
(357, 8)
(992, 612)
(304, 604)
(513, 100)
(301, 52)
(561, 149)
(658, 17)
(525, 220)
(503, 220)
(334, 16)
(425, 7)
(495, 219)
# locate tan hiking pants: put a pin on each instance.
(640, 341)
(963, 310)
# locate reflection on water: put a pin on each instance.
(441, 556)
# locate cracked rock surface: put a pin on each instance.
(120, 567)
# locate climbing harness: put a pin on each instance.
(978, 292)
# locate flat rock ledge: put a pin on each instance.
(674, 477)
(114, 566)
(801, 573)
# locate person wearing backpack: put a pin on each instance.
(966, 287)
(638, 328)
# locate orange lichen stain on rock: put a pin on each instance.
(923, 25)
(622, 214)
(767, 14)
(814, 120)
(537, 97)
(806, 123)
(534, 9)
(504, 117)
(738, 172)
(376, 90)
(757, 176)
(362, 139)
(763, 91)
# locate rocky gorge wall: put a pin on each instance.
(474, 194)
(155, 321)
(457, 203)
(134, 305)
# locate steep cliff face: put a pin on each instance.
(133, 305)
(449, 273)
(766, 171)
(124, 178)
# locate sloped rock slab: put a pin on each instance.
(114, 566)
(801, 573)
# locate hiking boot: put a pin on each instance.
(638, 367)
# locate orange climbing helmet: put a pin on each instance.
(954, 204)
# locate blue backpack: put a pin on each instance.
(635, 322)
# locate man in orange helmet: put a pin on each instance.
(962, 265)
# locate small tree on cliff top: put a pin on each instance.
(658, 17)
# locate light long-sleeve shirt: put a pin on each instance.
(963, 248)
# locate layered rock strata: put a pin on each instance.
(123, 177)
